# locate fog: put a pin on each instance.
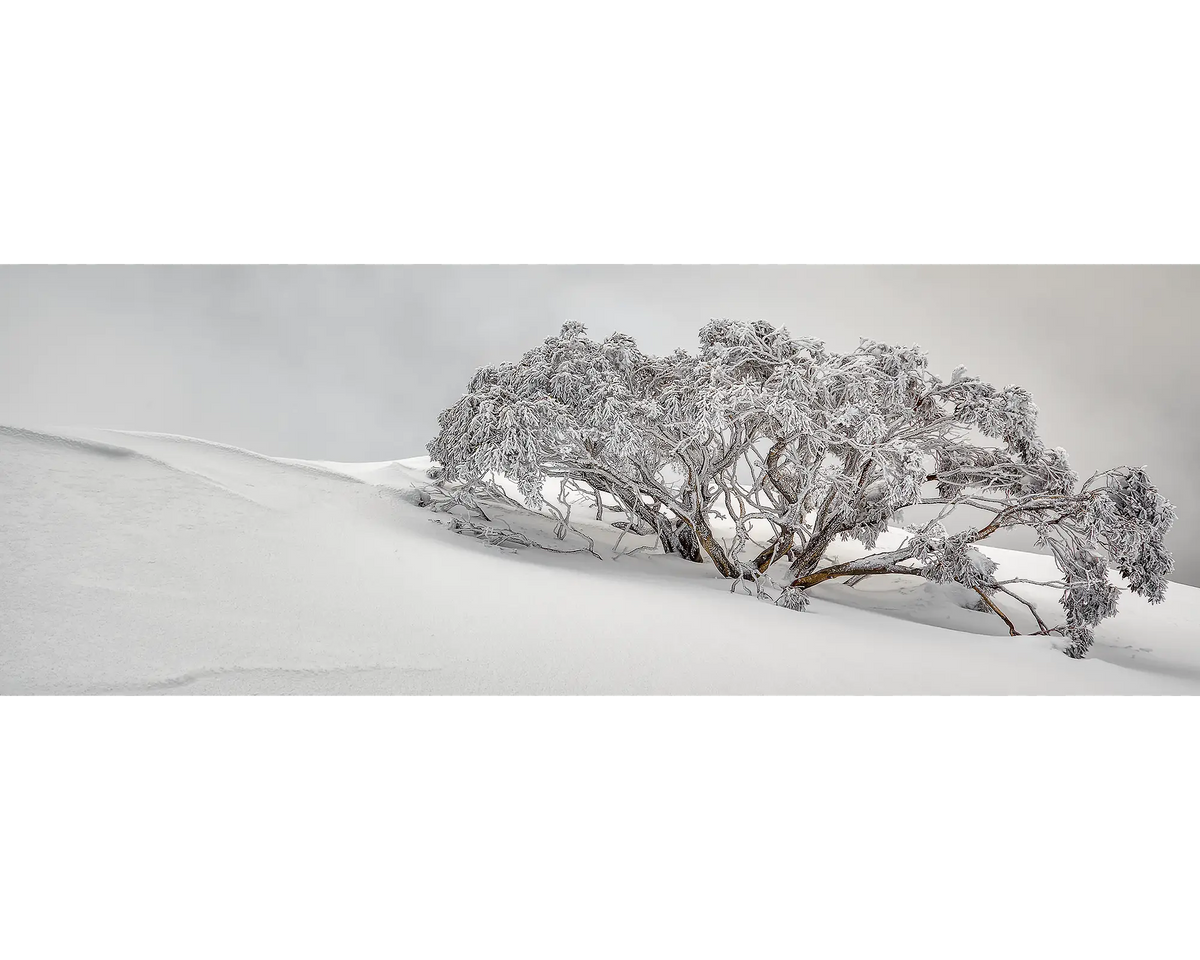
(354, 363)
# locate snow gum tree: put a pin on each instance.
(796, 446)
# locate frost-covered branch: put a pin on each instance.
(761, 431)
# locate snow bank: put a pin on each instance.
(134, 562)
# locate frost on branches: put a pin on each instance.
(797, 446)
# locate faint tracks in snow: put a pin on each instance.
(187, 679)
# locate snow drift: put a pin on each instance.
(149, 563)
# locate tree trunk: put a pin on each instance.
(689, 546)
(811, 555)
(830, 573)
(776, 549)
(713, 548)
(635, 508)
(782, 544)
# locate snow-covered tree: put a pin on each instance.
(775, 433)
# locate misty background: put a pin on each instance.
(355, 363)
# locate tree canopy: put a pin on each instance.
(781, 434)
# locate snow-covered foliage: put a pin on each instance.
(783, 437)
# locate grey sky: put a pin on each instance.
(354, 363)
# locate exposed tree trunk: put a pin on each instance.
(713, 548)
(808, 558)
(830, 573)
(778, 548)
(784, 487)
(1012, 630)
(689, 546)
(781, 546)
(636, 509)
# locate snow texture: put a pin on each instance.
(148, 563)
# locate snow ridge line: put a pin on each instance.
(116, 452)
(241, 451)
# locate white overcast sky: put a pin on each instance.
(354, 363)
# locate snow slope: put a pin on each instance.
(148, 563)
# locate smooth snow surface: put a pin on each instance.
(148, 563)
